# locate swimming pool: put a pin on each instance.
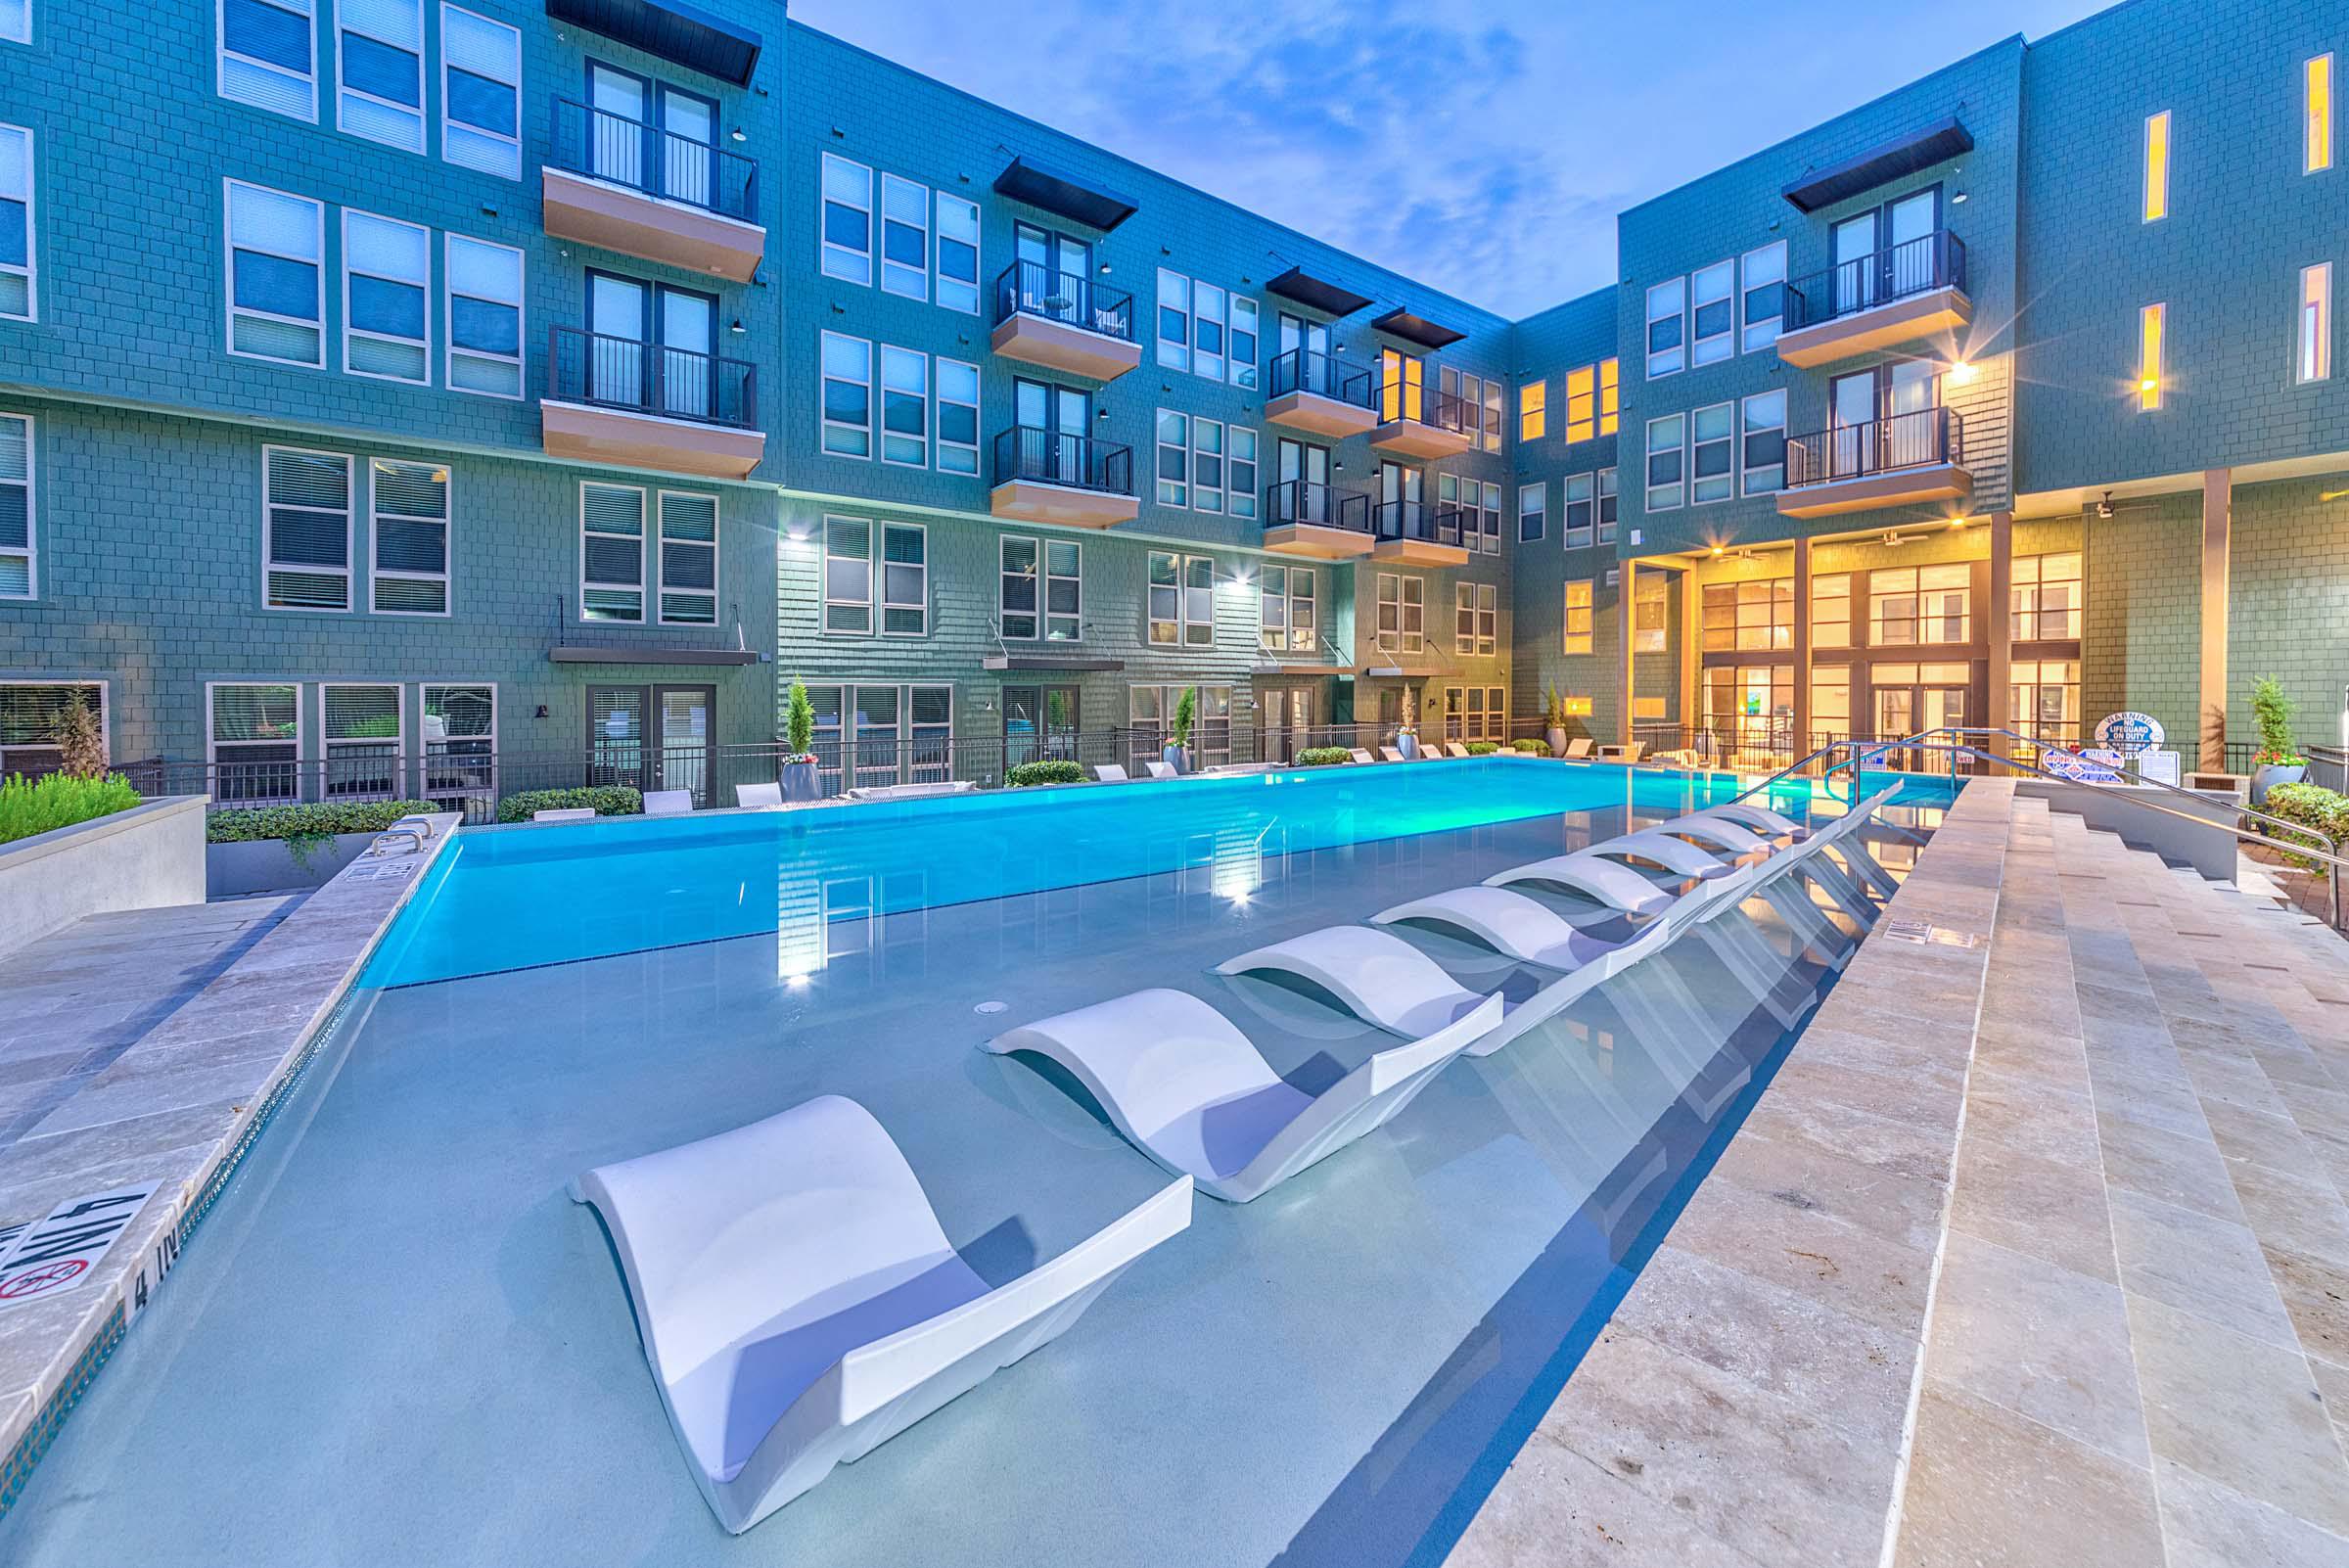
(396, 1341)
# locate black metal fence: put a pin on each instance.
(1418, 522)
(602, 145)
(1935, 260)
(1050, 457)
(1306, 370)
(1032, 288)
(651, 378)
(1427, 405)
(1295, 501)
(1915, 440)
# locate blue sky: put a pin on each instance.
(1482, 148)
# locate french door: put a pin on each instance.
(1866, 409)
(1879, 254)
(1290, 715)
(1056, 274)
(1065, 415)
(652, 136)
(1303, 472)
(651, 737)
(653, 346)
(1040, 723)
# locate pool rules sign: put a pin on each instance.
(60, 1253)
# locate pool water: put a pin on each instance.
(396, 1341)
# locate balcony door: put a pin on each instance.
(1399, 503)
(1879, 254)
(1402, 386)
(652, 136)
(1308, 341)
(1056, 272)
(1867, 409)
(1053, 422)
(1297, 333)
(1303, 472)
(653, 346)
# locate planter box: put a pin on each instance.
(267, 865)
(148, 858)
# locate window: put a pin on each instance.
(306, 508)
(904, 237)
(1756, 614)
(460, 745)
(2044, 698)
(1713, 432)
(957, 254)
(1651, 619)
(1533, 410)
(848, 393)
(2317, 114)
(1207, 331)
(1712, 290)
(1402, 614)
(252, 738)
(610, 552)
(1017, 599)
(18, 234)
(688, 559)
(1064, 590)
(2157, 167)
(1832, 610)
(1531, 500)
(1470, 391)
(2044, 598)
(1402, 386)
(361, 740)
(904, 407)
(1173, 458)
(1239, 470)
(2150, 325)
(1764, 457)
(1606, 506)
(1490, 517)
(16, 27)
(32, 712)
(18, 579)
(1667, 327)
(1476, 629)
(1492, 415)
(1609, 394)
(1245, 317)
(1830, 701)
(485, 316)
(481, 93)
(1052, 607)
(386, 271)
(1182, 600)
(1581, 613)
(380, 46)
(847, 221)
(408, 522)
(1665, 437)
(274, 305)
(1207, 465)
(1919, 605)
(1764, 296)
(269, 56)
(957, 417)
(847, 577)
(1174, 321)
(1289, 617)
(1581, 505)
(904, 579)
(1582, 403)
(2314, 360)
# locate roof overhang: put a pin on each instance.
(576, 653)
(671, 29)
(1053, 663)
(1317, 293)
(1400, 323)
(1880, 165)
(1058, 191)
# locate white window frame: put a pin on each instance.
(823, 374)
(375, 571)
(894, 357)
(1533, 410)
(1571, 538)
(907, 282)
(1164, 491)
(1046, 576)
(397, 766)
(937, 422)
(825, 600)
(212, 744)
(859, 263)
(643, 585)
(1568, 637)
(662, 543)
(2312, 347)
(1717, 347)
(1538, 513)
(228, 259)
(1206, 362)
(1757, 333)
(1283, 639)
(1747, 428)
(1650, 452)
(1488, 513)
(1004, 576)
(32, 552)
(1476, 619)
(1668, 362)
(940, 201)
(1173, 352)
(1404, 638)
(423, 286)
(884, 567)
(1726, 478)
(270, 564)
(1609, 489)
(1494, 413)
(423, 745)
(520, 304)
(222, 54)
(512, 143)
(30, 270)
(24, 9)
(345, 90)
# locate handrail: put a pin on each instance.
(652, 158)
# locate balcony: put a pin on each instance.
(1043, 476)
(633, 404)
(621, 185)
(1415, 533)
(1317, 522)
(1064, 321)
(1880, 300)
(1422, 422)
(1320, 394)
(1905, 460)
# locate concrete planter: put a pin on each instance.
(800, 783)
(269, 865)
(147, 858)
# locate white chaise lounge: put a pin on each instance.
(1109, 773)
(1358, 753)
(1185, 1086)
(1594, 876)
(1578, 750)
(1391, 753)
(1161, 769)
(1380, 977)
(1719, 835)
(800, 1304)
(667, 803)
(564, 813)
(1761, 818)
(747, 794)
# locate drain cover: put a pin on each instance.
(992, 1007)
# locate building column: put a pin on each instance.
(2218, 517)
(1803, 742)
(1692, 642)
(1626, 614)
(2002, 631)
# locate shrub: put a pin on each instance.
(1554, 711)
(2275, 710)
(317, 822)
(2312, 805)
(81, 743)
(1186, 714)
(798, 719)
(1531, 747)
(604, 800)
(1321, 756)
(60, 799)
(1481, 748)
(1049, 773)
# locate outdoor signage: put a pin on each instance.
(62, 1252)
(2128, 733)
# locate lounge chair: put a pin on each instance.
(1358, 753)
(748, 795)
(1720, 834)
(667, 803)
(1379, 977)
(1630, 752)
(1761, 818)
(800, 1304)
(1578, 750)
(1109, 773)
(1185, 1086)
(1161, 769)
(566, 813)
(914, 792)
(1658, 845)
(1594, 875)
(1391, 753)
(1436, 749)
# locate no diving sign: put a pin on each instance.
(61, 1252)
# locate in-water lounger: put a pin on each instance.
(1656, 843)
(1509, 923)
(1761, 818)
(750, 794)
(1109, 773)
(800, 1304)
(1382, 979)
(1594, 876)
(1161, 769)
(1722, 837)
(1185, 1086)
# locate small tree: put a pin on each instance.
(1186, 714)
(2275, 710)
(798, 719)
(82, 741)
(1556, 708)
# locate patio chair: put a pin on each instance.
(1161, 769)
(1359, 755)
(1391, 753)
(800, 1304)
(1184, 1085)
(667, 803)
(1109, 773)
(566, 813)
(750, 794)
(1630, 752)
(1376, 975)
(1439, 750)
(1578, 750)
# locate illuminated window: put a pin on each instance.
(1831, 611)
(2044, 699)
(1756, 614)
(2149, 324)
(2044, 597)
(1533, 410)
(2314, 362)
(2319, 113)
(1652, 615)
(1830, 701)
(1579, 613)
(1607, 404)
(1582, 403)
(2157, 165)
(1916, 605)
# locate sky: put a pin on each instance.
(1484, 149)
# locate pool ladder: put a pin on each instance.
(416, 830)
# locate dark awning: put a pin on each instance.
(1070, 663)
(629, 654)
(1318, 292)
(1075, 199)
(1878, 166)
(671, 29)
(1400, 323)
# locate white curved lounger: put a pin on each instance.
(1725, 837)
(1109, 773)
(1510, 924)
(1677, 855)
(1614, 885)
(1160, 769)
(800, 1304)
(1184, 1086)
(752, 795)
(1761, 818)
(1381, 978)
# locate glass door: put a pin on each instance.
(1908, 225)
(618, 321)
(688, 351)
(1039, 722)
(689, 147)
(685, 738)
(1304, 480)
(620, 104)
(1055, 273)
(1910, 389)
(1854, 251)
(1063, 416)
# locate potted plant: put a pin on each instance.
(2277, 761)
(1178, 753)
(1406, 733)
(1555, 711)
(799, 782)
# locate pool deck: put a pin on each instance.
(144, 1049)
(2036, 1252)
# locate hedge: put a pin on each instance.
(604, 800)
(1531, 747)
(1322, 756)
(59, 799)
(1056, 771)
(1481, 748)
(2312, 805)
(249, 824)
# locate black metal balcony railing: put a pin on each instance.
(1418, 522)
(1425, 405)
(1324, 375)
(1037, 456)
(1300, 501)
(604, 146)
(1031, 289)
(650, 378)
(1935, 260)
(1918, 439)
